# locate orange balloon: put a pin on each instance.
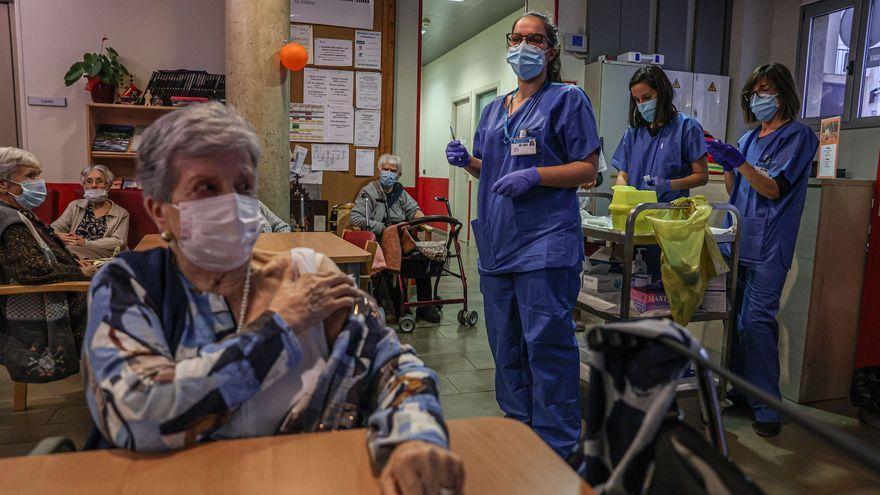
(294, 56)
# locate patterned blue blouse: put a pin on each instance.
(164, 368)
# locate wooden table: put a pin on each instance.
(501, 456)
(350, 258)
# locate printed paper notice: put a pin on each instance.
(306, 123)
(333, 52)
(309, 177)
(367, 50)
(346, 13)
(363, 165)
(328, 87)
(368, 90)
(366, 128)
(339, 125)
(829, 139)
(330, 157)
(298, 159)
(302, 34)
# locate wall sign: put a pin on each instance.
(345, 13)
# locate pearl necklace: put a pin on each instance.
(245, 294)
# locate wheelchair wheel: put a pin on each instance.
(407, 324)
(462, 317)
(472, 319)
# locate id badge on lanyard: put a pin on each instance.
(524, 145)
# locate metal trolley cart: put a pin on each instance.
(630, 241)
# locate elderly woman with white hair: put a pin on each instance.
(199, 341)
(93, 227)
(382, 203)
(40, 333)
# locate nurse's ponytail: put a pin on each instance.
(554, 65)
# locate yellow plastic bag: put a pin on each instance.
(690, 254)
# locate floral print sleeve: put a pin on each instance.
(145, 396)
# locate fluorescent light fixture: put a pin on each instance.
(456, 0)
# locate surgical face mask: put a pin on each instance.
(526, 60)
(387, 178)
(95, 195)
(218, 234)
(764, 106)
(33, 193)
(648, 109)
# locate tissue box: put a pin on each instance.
(647, 300)
(603, 283)
(717, 283)
(714, 300)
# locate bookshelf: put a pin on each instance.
(122, 164)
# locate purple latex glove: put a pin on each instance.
(457, 155)
(725, 155)
(517, 183)
(658, 184)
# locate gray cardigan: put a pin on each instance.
(117, 225)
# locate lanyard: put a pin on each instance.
(530, 105)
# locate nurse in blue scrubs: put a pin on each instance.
(766, 176)
(663, 149)
(532, 149)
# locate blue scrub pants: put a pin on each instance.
(531, 333)
(755, 351)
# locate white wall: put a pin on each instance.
(406, 86)
(474, 64)
(149, 35)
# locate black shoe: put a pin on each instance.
(431, 315)
(767, 429)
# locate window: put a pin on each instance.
(827, 59)
(839, 66)
(869, 95)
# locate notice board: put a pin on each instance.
(342, 186)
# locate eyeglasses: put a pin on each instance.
(747, 96)
(534, 39)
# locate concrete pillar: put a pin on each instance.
(257, 86)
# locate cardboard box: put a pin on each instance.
(714, 300)
(649, 300)
(717, 283)
(603, 283)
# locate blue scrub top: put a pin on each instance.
(770, 226)
(669, 154)
(541, 228)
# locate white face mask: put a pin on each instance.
(95, 195)
(218, 234)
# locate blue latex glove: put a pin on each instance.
(517, 183)
(658, 184)
(729, 157)
(457, 155)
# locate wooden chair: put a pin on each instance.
(365, 240)
(19, 396)
(343, 217)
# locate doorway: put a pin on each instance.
(9, 130)
(459, 180)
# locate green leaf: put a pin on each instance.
(91, 64)
(112, 53)
(73, 75)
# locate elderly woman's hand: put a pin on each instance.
(421, 468)
(311, 298)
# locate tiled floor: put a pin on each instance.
(793, 463)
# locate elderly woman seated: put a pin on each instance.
(40, 333)
(93, 227)
(199, 341)
(382, 203)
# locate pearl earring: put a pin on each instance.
(166, 236)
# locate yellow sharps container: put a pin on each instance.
(624, 200)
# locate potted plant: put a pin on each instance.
(103, 71)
